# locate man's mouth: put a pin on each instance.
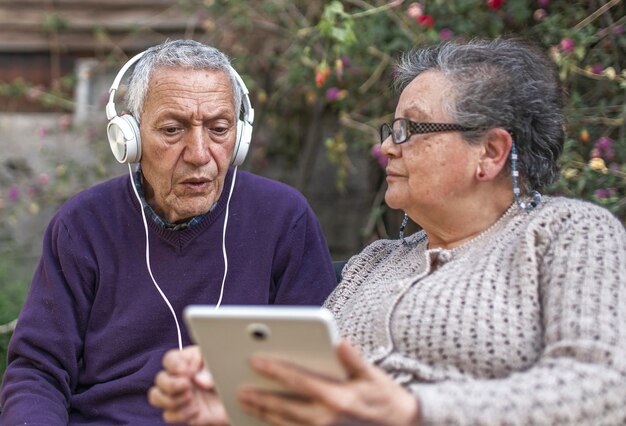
(196, 183)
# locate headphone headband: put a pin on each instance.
(110, 108)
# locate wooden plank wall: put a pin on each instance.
(40, 40)
(91, 25)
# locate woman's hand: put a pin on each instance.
(184, 390)
(369, 396)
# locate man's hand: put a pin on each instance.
(184, 390)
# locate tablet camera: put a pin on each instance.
(258, 331)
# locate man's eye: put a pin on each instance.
(171, 130)
(219, 130)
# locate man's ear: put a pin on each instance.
(495, 153)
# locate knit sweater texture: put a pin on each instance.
(523, 325)
(92, 333)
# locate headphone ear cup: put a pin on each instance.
(124, 139)
(244, 137)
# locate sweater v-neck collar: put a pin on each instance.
(179, 239)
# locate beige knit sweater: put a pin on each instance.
(525, 324)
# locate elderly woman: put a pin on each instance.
(506, 308)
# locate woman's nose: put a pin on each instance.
(388, 148)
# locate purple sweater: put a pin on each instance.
(92, 333)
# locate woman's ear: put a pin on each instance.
(495, 153)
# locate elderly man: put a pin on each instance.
(122, 259)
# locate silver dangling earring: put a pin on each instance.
(516, 191)
(405, 220)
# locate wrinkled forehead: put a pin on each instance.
(426, 97)
(190, 81)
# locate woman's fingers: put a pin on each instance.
(277, 409)
(295, 379)
(353, 361)
(368, 396)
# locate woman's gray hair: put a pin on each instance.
(177, 53)
(505, 83)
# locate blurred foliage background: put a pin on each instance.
(338, 57)
(320, 73)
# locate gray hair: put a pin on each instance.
(505, 83)
(177, 53)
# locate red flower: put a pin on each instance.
(495, 4)
(321, 74)
(426, 20)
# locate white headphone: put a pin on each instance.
(123, 130)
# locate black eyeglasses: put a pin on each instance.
(401, 129)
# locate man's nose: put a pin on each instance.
(197, 146)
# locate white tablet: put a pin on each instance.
(230, 335)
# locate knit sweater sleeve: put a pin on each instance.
(580, 375)
(43, 356)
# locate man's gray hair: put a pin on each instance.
(177, 53)
(506, 83)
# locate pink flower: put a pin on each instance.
(44, 179)
(567, 45)
(332, 94)
(14, 193)
(495, 4)
(539, 15)
(381, 158)
(618, 30)
(601, 193)
(605, 192)
(604, 143)
(446, 34)
(335, 94)
(43, 132)
(597, 69)
(415, 10)
(543, 3)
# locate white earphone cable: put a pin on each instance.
(230, 193)
(145, 224)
